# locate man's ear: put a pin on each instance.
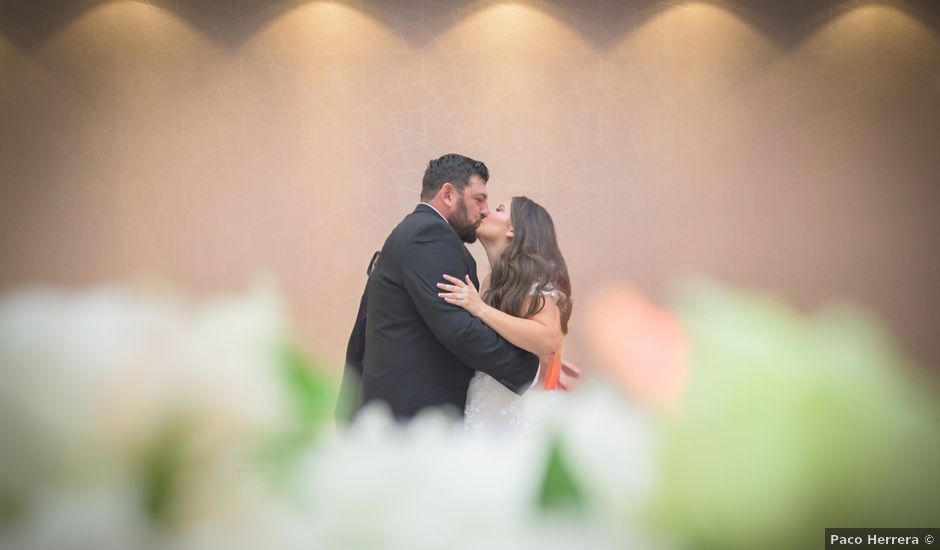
(449, 194)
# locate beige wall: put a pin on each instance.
(785, 145)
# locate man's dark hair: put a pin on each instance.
(453, 168)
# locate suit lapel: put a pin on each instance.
(468, 257)
(471, 267)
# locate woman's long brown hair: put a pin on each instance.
(532, 258)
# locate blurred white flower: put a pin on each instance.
(430, 484)
(93, 518)
(610, 443)
(140, 386)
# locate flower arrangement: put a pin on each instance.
(143, 419)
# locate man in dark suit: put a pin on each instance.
(409, 348)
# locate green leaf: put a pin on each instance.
(161, 467)
(559, 487)
(311, 396)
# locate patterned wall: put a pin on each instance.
(787, 145)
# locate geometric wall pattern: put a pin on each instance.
(785, 145)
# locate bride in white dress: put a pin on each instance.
(526, 299)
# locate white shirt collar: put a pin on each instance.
(436, 210)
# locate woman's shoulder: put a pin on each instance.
(546, 289)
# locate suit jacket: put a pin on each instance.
(411, 349)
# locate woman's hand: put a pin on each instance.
(463, 294)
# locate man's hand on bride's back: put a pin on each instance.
(463, 294)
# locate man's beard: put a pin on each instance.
(460, 221)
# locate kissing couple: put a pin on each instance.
(428, 335)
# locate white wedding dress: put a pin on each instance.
(493, 408)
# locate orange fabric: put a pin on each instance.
(554, 372)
